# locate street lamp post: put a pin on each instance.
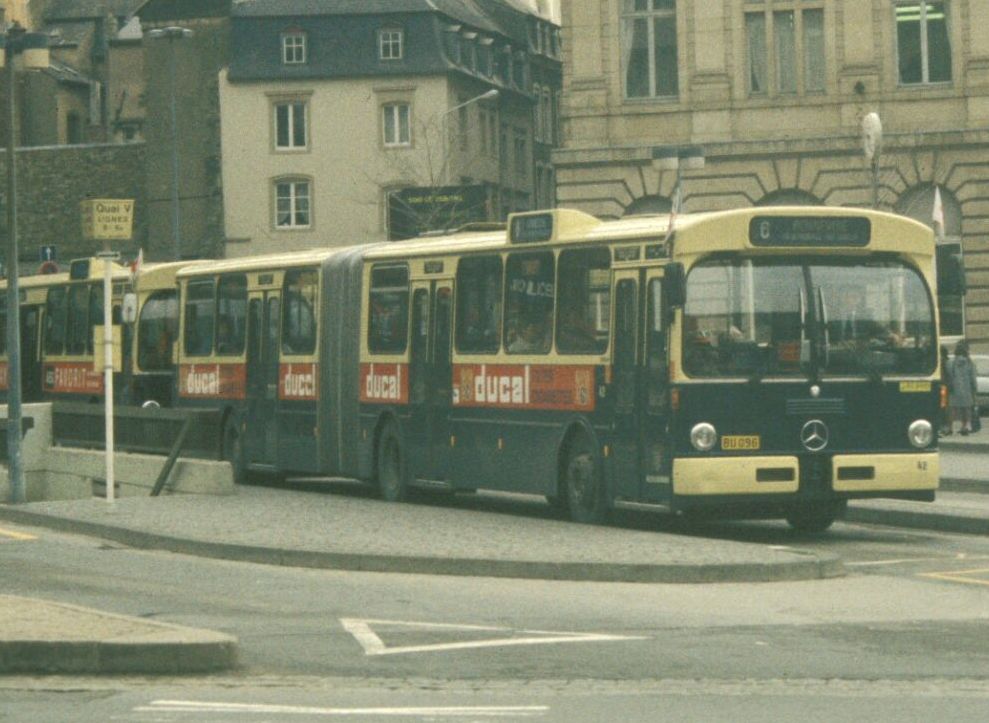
(679, 159)
(487, 95)
(33, 50)
(171, 34)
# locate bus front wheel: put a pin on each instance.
(391, 466)
(582, 481)
(815, 518)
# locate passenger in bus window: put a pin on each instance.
(575, 334)
(479, 334)
(225, 342)
(532, 338)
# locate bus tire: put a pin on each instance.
(812, 519)
(390, 465)
(582, 484)
(233, 452)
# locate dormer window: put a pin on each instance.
(484, 56)
(469, 50)
(451, 41)
(293, 48)
(390, 43)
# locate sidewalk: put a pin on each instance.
(38, 636)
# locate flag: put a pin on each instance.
(135, 267)
(937, 216)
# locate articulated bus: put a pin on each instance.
(60, 314)
(751, 363)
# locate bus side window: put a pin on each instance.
(231, 304)
(388, 310)
(656, 363)
(78, 321)
(55, 321)
(199, 313)
(529, 297)
(156, 331)
(96, 315)
(584, 301)
(299, 311)
(3, 326)
(479, 304)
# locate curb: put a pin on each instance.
(814, 567)
(158, 649)
(936, 521)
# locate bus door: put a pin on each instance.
(626, 448)
(430, 379)
(263, 314)
(641, 388)
(655, 393)
(30, 353)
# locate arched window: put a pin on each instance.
(648, 204)
(789, 197)
(918, 204)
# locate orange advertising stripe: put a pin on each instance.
(213, 381)
(72, 378)
(298, 382)
(385, 383)
(524, 386)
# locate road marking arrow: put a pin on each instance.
(373, 645)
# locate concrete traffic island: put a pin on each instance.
(347, 531)
(40, 636)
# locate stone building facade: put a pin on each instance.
(51, 183)
(351, 122)
(198, 60)
(774, 92)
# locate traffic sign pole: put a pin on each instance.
(108, 369)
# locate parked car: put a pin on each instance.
(981, 362)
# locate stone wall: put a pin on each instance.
(51, 181)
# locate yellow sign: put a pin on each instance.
(906, 387)
(737, 442)
(107, 219)
(99, 336)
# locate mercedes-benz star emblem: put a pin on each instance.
(814, 435)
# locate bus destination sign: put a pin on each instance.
(532, 228)
(810, 231)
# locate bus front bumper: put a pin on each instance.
(851, 475)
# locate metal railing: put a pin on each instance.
(197, 432)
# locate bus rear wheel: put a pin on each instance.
(582, 484)
(815, 518)
(390, 458)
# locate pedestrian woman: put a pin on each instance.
(945, 426)
(961, 394)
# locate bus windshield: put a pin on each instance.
(757, 317)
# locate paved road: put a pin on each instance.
(905, 630)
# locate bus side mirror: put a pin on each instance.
(128, 310)
(950, 270)
(674, 286)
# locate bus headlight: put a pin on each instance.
(703, 436)
(921, 433)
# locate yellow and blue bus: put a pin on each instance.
(59, 315)
(749, 363)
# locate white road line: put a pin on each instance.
(374, 645)
(193, 706)
(905, 560)
(17, 535)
